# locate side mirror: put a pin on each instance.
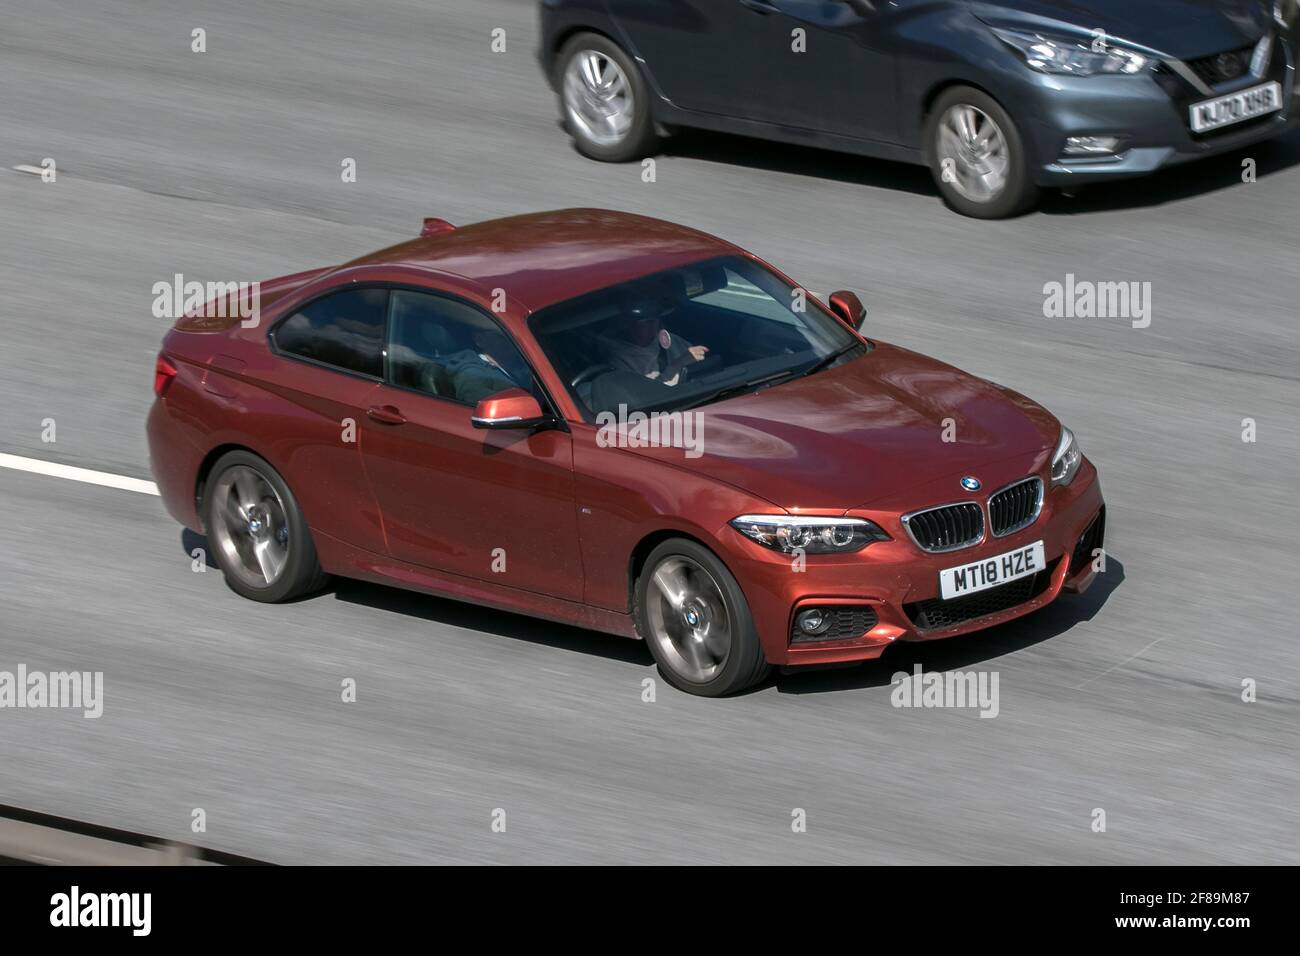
(849, 308)
(512, 408)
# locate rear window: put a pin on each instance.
(344, 330)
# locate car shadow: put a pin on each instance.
(950, 654)
(772, 156)
(1196, 178)
(476, 617)
(955, 653)
(191, 541)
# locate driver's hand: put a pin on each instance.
(698, 352)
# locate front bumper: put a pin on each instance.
(1148, 113)
(899, 583)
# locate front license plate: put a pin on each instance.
(990, 572)
(1236, 107)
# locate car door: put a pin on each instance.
(822, 65)
(495, 505)
(843, 80)
(710, 56)
(314, 385)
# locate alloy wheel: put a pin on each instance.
(250, 526)
(688, 618)
(598, 98)
(978, 149)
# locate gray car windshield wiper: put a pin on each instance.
(741, 388)
(829, 360)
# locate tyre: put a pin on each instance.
(604, 100)
(257, 532)
(696, 621)
(977, 156)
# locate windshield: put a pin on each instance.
(687, 337)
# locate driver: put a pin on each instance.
(642, 345)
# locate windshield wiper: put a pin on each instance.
(731, 391)
(829, 360)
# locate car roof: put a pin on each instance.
(543, 258)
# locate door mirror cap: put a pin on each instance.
(512, 408)
(849, 308)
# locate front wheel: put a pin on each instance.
(257, 531)
(977, 156)
(696, 621)
(605, 101)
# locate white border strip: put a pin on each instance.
(49, 468)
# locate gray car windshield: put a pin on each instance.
(688, 337)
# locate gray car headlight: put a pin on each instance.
(1066, 459)
(1072, 57)
(811, 535)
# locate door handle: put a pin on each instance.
(759, 6)
(385, 414)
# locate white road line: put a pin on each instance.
(38, 467)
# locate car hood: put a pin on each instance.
(1179, 28)
(868, 429)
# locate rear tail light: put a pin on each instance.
(163, 373)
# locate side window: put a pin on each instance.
(345, 330)
(451, 350)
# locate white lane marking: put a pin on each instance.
(108, 480)
(33, 170)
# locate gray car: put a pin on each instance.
(999, 99)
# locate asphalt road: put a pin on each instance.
(227, 165)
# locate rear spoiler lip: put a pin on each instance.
(435, 227)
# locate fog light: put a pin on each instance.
(1091, 145)
(813, 620)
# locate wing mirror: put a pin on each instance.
(848, 307)
(512, 408)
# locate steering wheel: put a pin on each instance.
(590, 372)
(708, 363)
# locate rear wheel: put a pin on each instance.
(605, 102)
(696, 621)
(977, 156)
(257, 532)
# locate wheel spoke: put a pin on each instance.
(247, 490)
(591, 72)
(966, 124)
(267, 559)
(235, 513)
(669, 586)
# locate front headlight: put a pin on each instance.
(1066, 459)
(1073, 57)
(811, 535)
(1286, 12)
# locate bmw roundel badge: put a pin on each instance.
(971, 484)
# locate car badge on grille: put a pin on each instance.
(971, 484)
(1228, 65)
